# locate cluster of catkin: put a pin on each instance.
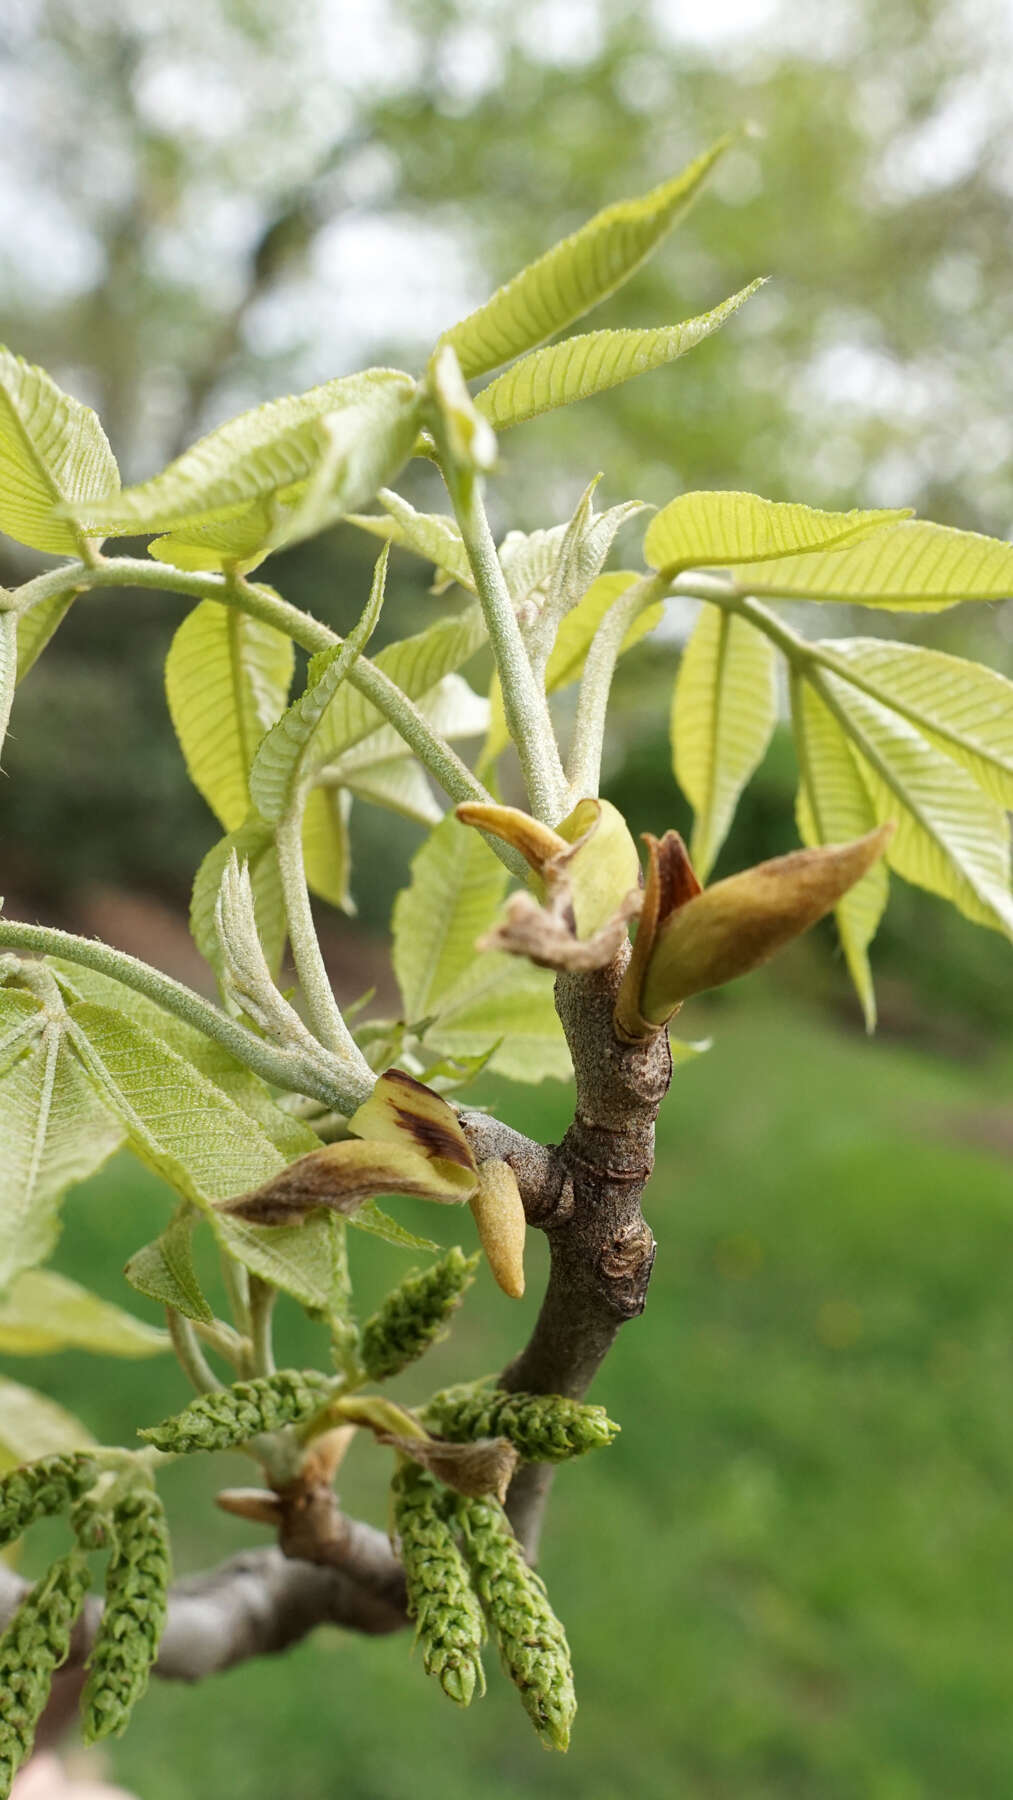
(131, 1524)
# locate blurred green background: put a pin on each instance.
(790, 1577)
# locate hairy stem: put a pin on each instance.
(324, 1012)
(524, 703)
(189, 1354)
(261, 602)
(584, 770)
(293, 1069)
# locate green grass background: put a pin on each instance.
(792, 1574)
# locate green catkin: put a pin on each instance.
(137, 1582)
(34, 1645)
(448, 1622)
(530, 1638)
(234, 1415)
(541, 1427)
(414, 1315)
(40, 1488)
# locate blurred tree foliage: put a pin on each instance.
(211, 206)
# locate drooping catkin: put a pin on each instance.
(448, 1621)
(40, 1488)
(234, 1415)
(531, 1641)
(137, 1582)
(414, 1315)
(541, 1427)
(34, 1645)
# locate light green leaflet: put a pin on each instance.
(288, 755)
(36, 627)
(43, 1311)
(456, 890)
(575, 274)
(434, 536)
(416, 664)
(506, 1001)
(207, 1146)
(457, 886)
(209, 1060)
(327, 855)
(31, 1425)
(913, 567)
(273, 449)
(724, 709)
(833, 807)
(706, 530)
(379, 770)
(951, 837)
(965, 710)
(226, 678)
(254, 845)
(52, 449)
(592, 363)
(54, 1129)
(8, 669)
(164, 1270)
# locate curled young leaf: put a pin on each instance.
(341, 1176)
(737, 924)
(403, 1111)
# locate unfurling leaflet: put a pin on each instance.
(531, 1641)
(541, 1427)
(448, 1622)
(414, 1315)
(137, 1582)
(234, 1415)
(38, 1489)
(34, 1645)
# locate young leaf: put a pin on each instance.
(307, 1261)
(37, 625)
(52, 450)
(240, 543)
(31, 1425)
(575, 274)
(456, 888)
(833, 807)
(327, 855)
(226, 678)
(582, 366)
(272, 451)
(286, 757)
(910, 567)
(434, 536)
(963, 709)
(178, 1121)
(714, 529)
(253, 844)
(951, 837)
(399, 784)
(43, 1311)
(54, 1132)
(379, 769)
(8, 668)
(724, 709)
(289, 1135)
(417, 664)
(503, 1001)
(164, 1271)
